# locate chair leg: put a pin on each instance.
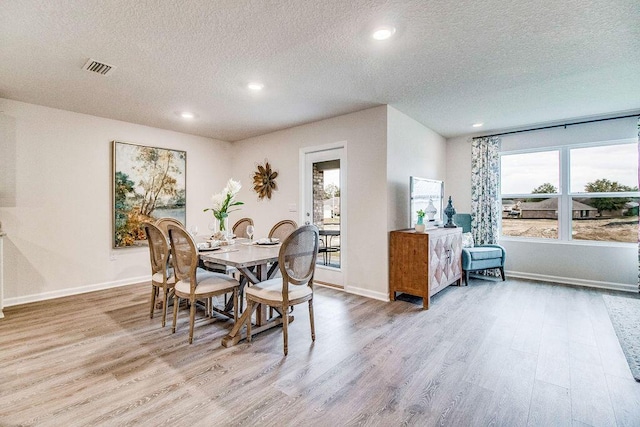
(250, 309)
(192, 319)
(176, 302)
(285, 329)
(235, 305)
(502, 273)
(466, 278)
(165, 303)
(153, 301)
(313, 328)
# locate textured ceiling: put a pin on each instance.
(450, 63)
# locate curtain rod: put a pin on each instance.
(557, 126)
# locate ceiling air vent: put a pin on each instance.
(98, 67)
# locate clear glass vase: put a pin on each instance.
(222, 226)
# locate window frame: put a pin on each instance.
(564, 195)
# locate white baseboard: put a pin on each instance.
(74, 291)
(381, 296)
(356, 291)
(573, 281)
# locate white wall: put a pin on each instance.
(365, 135)
(607, 265)
(59, 222)
(458, 180)
(412, 150)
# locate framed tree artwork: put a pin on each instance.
(148, 183)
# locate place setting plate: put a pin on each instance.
(208, 246)
(209, 249)
(267, 242)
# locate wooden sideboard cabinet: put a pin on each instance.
(422, 264)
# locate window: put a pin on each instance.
(586, 192)
(530, 183)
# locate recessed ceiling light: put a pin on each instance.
(383, 33)
(255, 86)
(187, 115)
(477, 125)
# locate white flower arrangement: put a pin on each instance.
(224, 201)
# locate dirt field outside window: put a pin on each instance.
(623, 229)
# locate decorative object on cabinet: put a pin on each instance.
(422, 264)
(479, 257)
(264, 181)
(450, 211)
(148, 183)
(420, 224)
(431, 210)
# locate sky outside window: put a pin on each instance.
(522, 173)
(617, 163)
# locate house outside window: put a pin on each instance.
(586, 192)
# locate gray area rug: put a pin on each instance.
(625, 316)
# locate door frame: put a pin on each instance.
(304, 194)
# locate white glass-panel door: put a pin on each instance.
(324, 196)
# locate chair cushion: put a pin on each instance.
(467, 240)
(157, 277)
(208, 282)
(479, 253)
(272, 290)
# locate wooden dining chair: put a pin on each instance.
(161, 274)
(193, 283)
(282, 229)
(240, 227)
(162, 224)
(297, 262)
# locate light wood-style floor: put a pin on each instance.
(512, 353)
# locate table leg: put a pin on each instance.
(243, 282)
(235, 336)
(262, 273)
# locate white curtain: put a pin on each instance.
(639, 215)
(485, 188)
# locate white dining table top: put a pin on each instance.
(242, 254)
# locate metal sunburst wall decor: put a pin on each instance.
(264, 181)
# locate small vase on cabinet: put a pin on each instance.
(419, 227)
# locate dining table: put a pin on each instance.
(256, 263)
